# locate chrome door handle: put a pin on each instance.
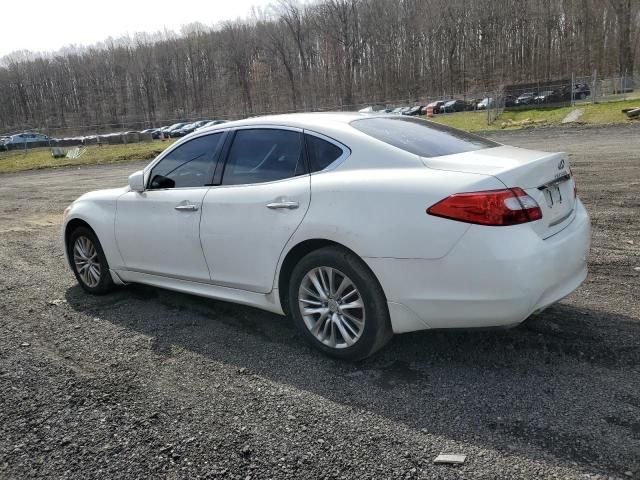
(186, 208)
(287, 205)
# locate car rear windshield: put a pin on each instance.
(420, 137)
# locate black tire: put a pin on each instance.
(105, 283)
(376, 332)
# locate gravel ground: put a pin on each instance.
(150, 383)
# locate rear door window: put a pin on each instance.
(263, 155)
(420, 137)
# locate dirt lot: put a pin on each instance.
(149, 383)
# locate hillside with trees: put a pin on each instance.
(331, 54)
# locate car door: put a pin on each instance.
(262, 198)
(158, 230)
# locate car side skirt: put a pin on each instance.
(269, 302)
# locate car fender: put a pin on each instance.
(98, 210)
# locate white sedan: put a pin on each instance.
(359, 226)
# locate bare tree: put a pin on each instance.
(327, 54)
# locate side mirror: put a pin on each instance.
(136, 181)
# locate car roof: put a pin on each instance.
(333, 125)
(299, 120)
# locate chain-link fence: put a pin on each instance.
(495, 106)
(616, 88)
(572, 91)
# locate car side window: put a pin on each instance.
(263, 155)
(321, 153)
(189, 165)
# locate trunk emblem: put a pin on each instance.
(561, 164)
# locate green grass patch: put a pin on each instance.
(469, 121)
(32, 159)
(609, 112)
(593, 114)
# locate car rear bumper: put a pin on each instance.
(494, 276)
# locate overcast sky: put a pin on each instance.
(48, 25)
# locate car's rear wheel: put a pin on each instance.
(88, 262)
(338, 304)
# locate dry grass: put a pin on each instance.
(19, 160)
(593, 114)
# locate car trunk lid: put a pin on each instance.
(544, 176)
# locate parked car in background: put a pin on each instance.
(28, 139)
(172, 128)
(437, 106)
(400, 110)
(485, 103)
(546, 96)
(190, 127)
(580, 92)
(414, 111)
(460, 210)
(176, 132)
(510, 101)
(456, 106)
(211, 123)
(156, 133)
(182, 131)
(526, 98)
(90, 140)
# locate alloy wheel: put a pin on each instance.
(85, 258)
(331, 307)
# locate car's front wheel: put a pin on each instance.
(88, 262)
(338, 304)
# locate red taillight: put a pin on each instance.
(510, 206)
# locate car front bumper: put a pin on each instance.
(494, 276)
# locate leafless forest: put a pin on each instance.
(329, 54)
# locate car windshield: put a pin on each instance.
(420, 137)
